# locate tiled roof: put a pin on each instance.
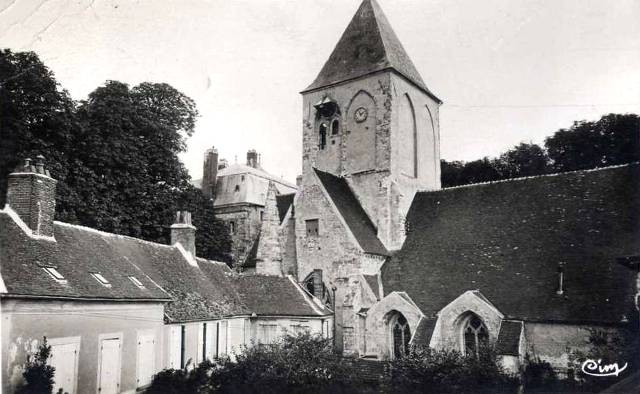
(76, 254)
(251, 259)
(508, 343)
(507, 240)
(368, 45)
(274, 295)
(424, 331)
(79, 251)
(629, 384)
(284, 201)
(199, 292)
(352, 212)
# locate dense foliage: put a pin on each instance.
(612, 140)
(38, 376)
(448, 371)
(115, 155)
(297, 364)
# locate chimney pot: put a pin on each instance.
(31, 193)
(184, 233)
(560, 290)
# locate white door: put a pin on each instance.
(175, 347)
(222, 338)
(64, 358)
(146, 358)
(109, 381)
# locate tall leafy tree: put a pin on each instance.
(523, 160)
(115, 155)
(614, 139)
(36, 117)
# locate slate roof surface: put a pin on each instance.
(508, 343)
(353, 213)
(629, 384)
(252, 257)
(368, 45)
(207, 290)
(274, 295)
(76, 254)
(424, 331)
(198, 293)
(284, 201)
(507, 239)
(195, 293)
(372, 281)
(252, 190)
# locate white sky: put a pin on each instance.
(507, 70)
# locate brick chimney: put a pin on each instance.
(252, 159)
(210, 173)
(184, 233)
(31, 193)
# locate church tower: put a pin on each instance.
(369, 118)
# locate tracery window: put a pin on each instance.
(476, 335)
(309, 284)
(401, 336)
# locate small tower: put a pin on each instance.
(210, 173)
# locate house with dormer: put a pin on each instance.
(116, 309)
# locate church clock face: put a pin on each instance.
(361, 114)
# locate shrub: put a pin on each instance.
(296, 364)
(38, 376)
(182, 381)
(448, 371)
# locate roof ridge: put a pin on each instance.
(523, 178)
(368, 45)
(260, 172)
(108, 234)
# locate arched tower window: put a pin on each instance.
(335, 127)
(401, 335)
(322, 136)
(475, 334)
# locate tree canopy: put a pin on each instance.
(612, 140)
(115, 155)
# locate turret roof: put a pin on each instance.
(368, 45)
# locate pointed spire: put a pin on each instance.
(368, 45)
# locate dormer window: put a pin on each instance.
(136, 282)
(237, 189)
(101, 279)
(57, 276)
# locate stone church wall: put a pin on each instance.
(247, 227)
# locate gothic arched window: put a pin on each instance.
(401, 336)
(310, 285)
(476, 335)
(323, 135)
